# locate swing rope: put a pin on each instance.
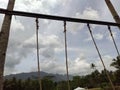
(89, 28)
(109, 28)
(66, 56)
(38, 58)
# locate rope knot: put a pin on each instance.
(64, 26)
(110, 30)
(88, 25)
(37, 22)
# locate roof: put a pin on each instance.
(79, 88)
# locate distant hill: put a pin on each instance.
(34, 75)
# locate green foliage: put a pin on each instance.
(93, 66)
(62, 85)
(94, 80)
(116, 64)
(47, 84)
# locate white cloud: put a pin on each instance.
(51, 3)
(16, 25)
(98, 36)
(53, 66)
(88, 39)
(3, 3)
(74, 27)
(38, 6)
(13, 56)
(107, 61)
(52, 41)
(48, 45)
(48, 52)
(88, 13)
(49, 40)
(114, 35)
(35, 6)
(77, 66)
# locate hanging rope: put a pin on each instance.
(100, 57)
(38, 59)
(109, 28)
(66, 56)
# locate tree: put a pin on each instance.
(116, 64)
(47, 83)
(62, 85)
(19, 85)
(76, 81)
(93, 66)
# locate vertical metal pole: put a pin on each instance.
(4, 37)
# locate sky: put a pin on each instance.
(21, 52)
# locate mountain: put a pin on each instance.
(34, 75)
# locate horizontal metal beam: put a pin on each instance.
(60, 18)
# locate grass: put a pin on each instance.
(95, 89)
(117, 88)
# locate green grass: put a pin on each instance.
(117, 88)
(95, 89)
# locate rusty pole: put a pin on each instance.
(113, 11)
(4, 37)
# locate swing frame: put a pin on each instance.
(59, 18)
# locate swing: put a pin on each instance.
(111, 34)
(38, 58)
(89, 28)
(66, 56)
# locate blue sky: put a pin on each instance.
(21, 53)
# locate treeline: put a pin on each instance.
(93, 80)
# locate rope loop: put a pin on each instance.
(37, 23)
(64, 26)
(109, 28)
(89, 28)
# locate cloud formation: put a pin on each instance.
(22, 43)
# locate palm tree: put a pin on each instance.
(93, 66)
(116, 63)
